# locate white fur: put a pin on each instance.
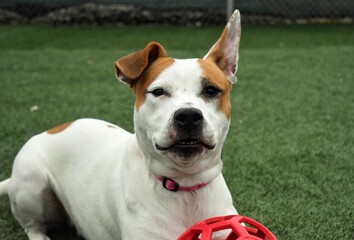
(3, 187)
(104, 177)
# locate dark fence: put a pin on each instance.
(186, 12)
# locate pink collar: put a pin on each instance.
(173, 186)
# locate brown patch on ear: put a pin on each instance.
(130, 67)
(59, 128)
(225, 51)
(213, 74)
(218, 54)
(148, 77)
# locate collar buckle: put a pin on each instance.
(170, 184)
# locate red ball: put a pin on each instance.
(239, 228)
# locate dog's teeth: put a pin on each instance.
(187, 142)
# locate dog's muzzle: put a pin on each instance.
(188, 123)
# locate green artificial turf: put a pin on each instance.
(288, 159)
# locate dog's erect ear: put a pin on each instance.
(130, 67)
(225, 51)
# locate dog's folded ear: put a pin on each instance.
(130, 67)
(225, 51)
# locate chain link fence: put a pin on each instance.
(183, 12)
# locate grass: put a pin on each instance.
(289, 154)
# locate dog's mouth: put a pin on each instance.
(187, 145)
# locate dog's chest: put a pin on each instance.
(166, 216)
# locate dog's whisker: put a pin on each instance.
(126, 106)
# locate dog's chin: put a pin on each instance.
(186, 150)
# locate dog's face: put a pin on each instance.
(183, 109)
(184, 112)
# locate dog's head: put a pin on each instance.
(182, 109)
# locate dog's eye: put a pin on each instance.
(211, 91)
(158, 92)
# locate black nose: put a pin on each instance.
(188, 118)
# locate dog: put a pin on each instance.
(153, 184)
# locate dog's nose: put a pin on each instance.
(188, 118)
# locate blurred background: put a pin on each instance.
(185, 12)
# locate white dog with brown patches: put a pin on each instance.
(153, 184)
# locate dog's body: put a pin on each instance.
(116, 185)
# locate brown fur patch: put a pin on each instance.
(148, 77)
(218, 54)
(59, 128)
(213, 74)
(130, 67)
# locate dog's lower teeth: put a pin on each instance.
(187, 143)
